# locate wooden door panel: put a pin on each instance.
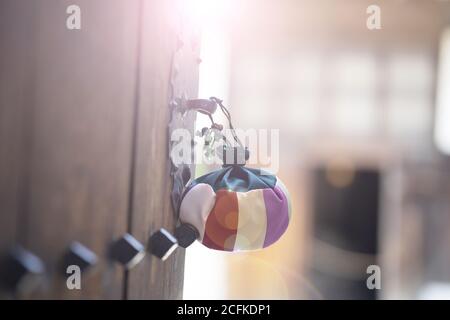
(16, 62)
(83, 137)
(80, 110)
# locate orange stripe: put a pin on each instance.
(221, 225)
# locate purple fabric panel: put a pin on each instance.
(277, 214)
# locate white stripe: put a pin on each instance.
(252, 220)
(197, 205)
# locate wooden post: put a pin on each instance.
(83, 137)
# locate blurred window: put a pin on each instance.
(357, 94)
(409, 95)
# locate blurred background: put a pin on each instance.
(364, 144)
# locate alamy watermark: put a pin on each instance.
(73, 21)
(73, 281)
(373, 21)
(262, 144)
(374, 280)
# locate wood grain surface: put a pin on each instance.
(83, 138)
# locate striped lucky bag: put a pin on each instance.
(236, 208)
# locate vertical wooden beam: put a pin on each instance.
(168, 68)
(16, 65)
(83, 138)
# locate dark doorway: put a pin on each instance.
(346, 209)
